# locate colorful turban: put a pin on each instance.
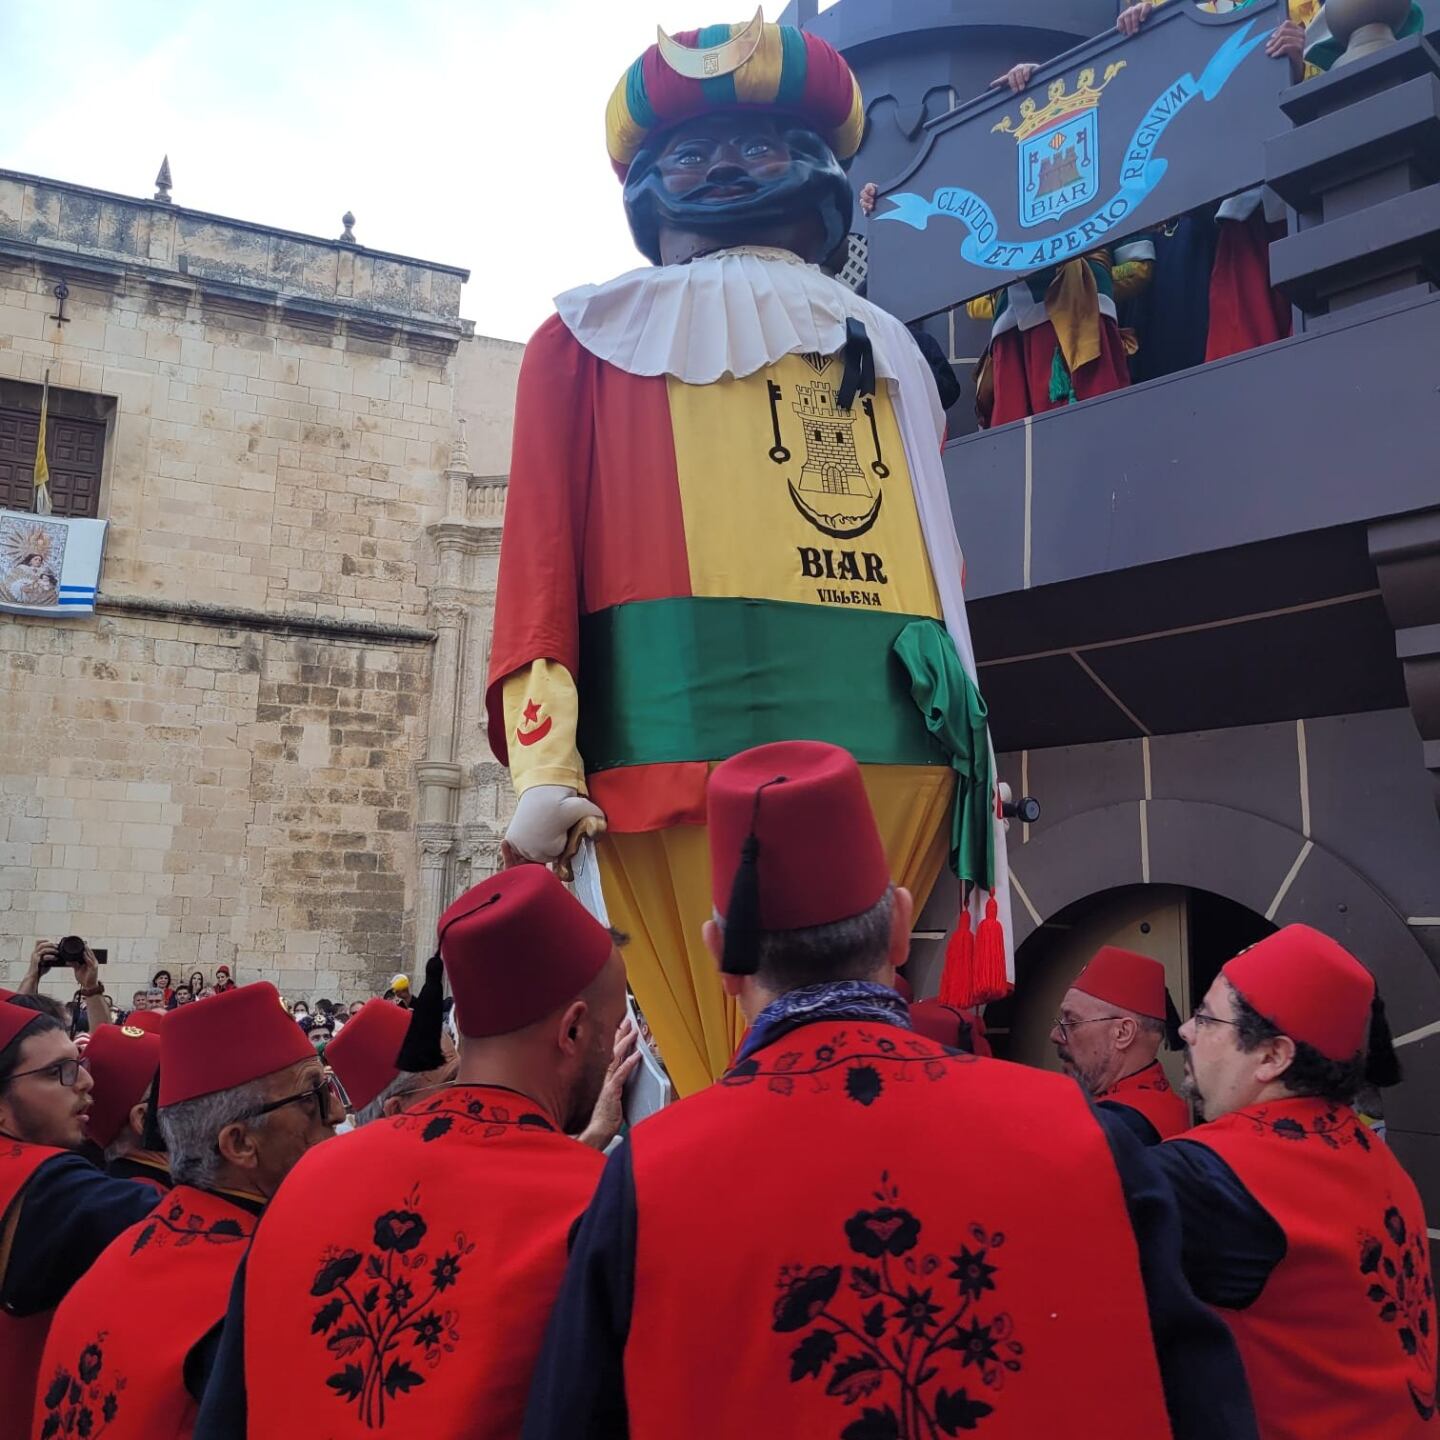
(787, 70)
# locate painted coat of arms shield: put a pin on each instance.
(1059, 168)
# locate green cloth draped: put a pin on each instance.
(955, 715)
(702, 678)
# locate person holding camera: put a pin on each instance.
(57, 1211)
(84, 964)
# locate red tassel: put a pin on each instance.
(957, 977)
(991, 982)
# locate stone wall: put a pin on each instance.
(220, 766)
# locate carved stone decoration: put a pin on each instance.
(460, 450)
(347, 236)
(436, 843)
(1406, 553)
(162, 182)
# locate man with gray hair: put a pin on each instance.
(242, 1097)
(857, 1228)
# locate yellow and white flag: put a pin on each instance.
(42, 468)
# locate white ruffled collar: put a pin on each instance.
(728, 313)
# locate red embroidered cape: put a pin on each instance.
(1342, 1339)
(117, 1347)
(839, 1238)
(22, 1337)
(418, 1308)
(1149, 1092)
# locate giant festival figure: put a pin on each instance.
(728, 524)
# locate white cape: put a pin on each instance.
(736, 311)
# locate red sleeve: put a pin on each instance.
(537, 596)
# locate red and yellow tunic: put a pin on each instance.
(22, 1337)
(1149, 1092)
(402, 1277)
(905, 1266)
(687, 571)
(118, 1345)
(1341, 1340)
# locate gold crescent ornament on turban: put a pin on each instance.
(705, 63)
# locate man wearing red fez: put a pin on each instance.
(728, 523)
(1300, 1226)
(242, 1096)
(57, 1211)
(123, 1061)
(364, 1055)
(418, 1306)
(858, 1231)
(1108, 1034)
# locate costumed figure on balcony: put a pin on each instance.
(728, 524)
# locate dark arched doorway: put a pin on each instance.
(1191, 932)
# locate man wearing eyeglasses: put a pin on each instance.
(402, 1282)
(242, 1097)
(57, 1211)
(1300, 1226)
(1108, 1035)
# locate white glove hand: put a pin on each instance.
(544, 817)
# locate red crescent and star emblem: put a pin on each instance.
(532, 714)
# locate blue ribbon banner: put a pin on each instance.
(1140, 172)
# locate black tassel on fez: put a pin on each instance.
(1382, 1065)
(420, 1049)
(741, 955)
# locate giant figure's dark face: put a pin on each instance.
(737, 177)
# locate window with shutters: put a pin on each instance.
(74, 448)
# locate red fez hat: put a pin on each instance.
(363, 1053)
(123, 1060)
(1309, 987)
(232, 1039)
(13, 1019)
(1121, 977)
(797, 813)
(148, 1020)
(516, 947)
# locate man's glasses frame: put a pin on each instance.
(67, 1072)
(1065, 1026)
(329, 1083)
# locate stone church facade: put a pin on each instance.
(265, 749)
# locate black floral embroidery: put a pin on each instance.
(179, 1225)
(468, 1115)
(868, 1062)
(385, 1326)
(81, 1401)
(1333, 1128)
(1397, 1267)
(913, 1344)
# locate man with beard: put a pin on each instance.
(1300, 1227)
(857, 1228)
(404, 1276)
(57, 1211)
(728, 523)
(242, 1096)
(1108, 1035)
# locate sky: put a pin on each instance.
(466, 133)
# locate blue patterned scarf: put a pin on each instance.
(834, 1000)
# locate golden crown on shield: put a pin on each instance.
(1086, 96)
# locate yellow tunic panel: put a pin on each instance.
(787, 497)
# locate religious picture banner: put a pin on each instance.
(49, 565)
(1108, 140)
